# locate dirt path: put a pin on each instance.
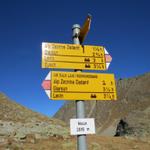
(94, 143)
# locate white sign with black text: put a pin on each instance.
(82, 126)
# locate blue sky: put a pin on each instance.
(122, 26)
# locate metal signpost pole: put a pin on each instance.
(81, 139)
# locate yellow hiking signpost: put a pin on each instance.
(73, 56)
(79, 85)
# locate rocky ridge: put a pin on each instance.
(20, 124)
(133, 101)
(23, 129)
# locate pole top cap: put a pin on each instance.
(76, 26)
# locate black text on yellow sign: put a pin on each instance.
(71, 56)
(82, 86)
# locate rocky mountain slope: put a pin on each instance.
(133, 105)
(20, 124)
(23, 129)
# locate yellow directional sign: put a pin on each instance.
(72, 56)
(85, 28)
(82, 86)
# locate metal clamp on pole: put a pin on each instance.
(81, 139)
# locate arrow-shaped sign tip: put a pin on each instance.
(108, 58)
(46, 85)
(85, 28)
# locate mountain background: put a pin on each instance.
(21, 125)
(21, 128)
(133, 106)
(121, 26)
